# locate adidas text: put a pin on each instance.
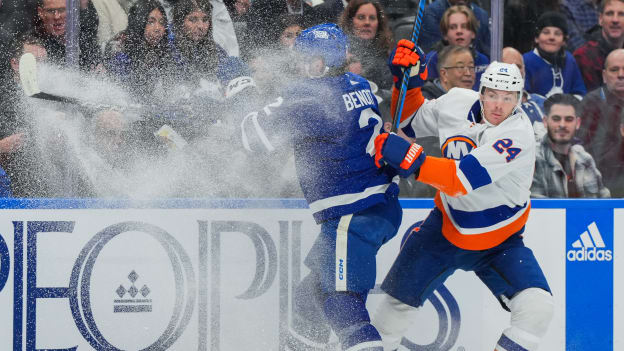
(590, 254)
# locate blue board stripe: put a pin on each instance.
(589, 280)
(407, 203)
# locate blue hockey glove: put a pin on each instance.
(407, 54)
(398, 153)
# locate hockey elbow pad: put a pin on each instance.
(398, 153)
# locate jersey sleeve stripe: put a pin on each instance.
(476, 174)
(485, 218)
(258, 131)
(441, 173)
(483, 240)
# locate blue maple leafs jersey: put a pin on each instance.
(331, 124)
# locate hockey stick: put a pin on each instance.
(396, 119)
(30, 85)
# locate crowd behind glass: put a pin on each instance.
(193, 69)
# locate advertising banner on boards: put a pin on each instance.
(219, 275)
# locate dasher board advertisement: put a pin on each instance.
(219, 275)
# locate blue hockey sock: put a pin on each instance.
(346, 313)
(308, 327)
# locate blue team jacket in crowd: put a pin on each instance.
(545, 79)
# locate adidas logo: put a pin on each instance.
(590, 246)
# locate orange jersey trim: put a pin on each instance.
(413, 100)
(441, 173)
(482, 241)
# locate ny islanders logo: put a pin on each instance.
(590, 246)
(458, 146)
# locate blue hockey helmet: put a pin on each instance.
(326, 40)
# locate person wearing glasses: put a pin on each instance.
(481, 207)
(50, 27)
(456, 70)
(458, 27)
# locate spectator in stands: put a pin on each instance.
(195, 50)
(238, 11)
(50, 26)
(99, 163)
(237, 8)
(550, 69)
(370, 39)
(456, 69)
(520, 17)
(275, 65)
(290, 28)
(5, 41)
(262, 32)
(109, 137)
(16, 16)
(144, 60)
(430, 30)
(601, 110)
(613, 166)
(18, 152)
(562, 168)
(591, 55)
(458, 27)
(223, 28)
(582, 16)
(532, 104)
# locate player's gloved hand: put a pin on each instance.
(407, 54)
(398, 153)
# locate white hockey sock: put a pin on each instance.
(392, 319)
(532, 310)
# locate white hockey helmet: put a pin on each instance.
(502, 76)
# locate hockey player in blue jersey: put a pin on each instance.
(332, 119)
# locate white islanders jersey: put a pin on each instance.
(489, 199)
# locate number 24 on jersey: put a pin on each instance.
(504, 145)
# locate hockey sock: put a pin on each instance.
(308, 328)
(392, 319)
(531, 312)
(348, 317)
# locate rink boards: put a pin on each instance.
(218, 275)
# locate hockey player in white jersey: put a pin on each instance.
(481, 206)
